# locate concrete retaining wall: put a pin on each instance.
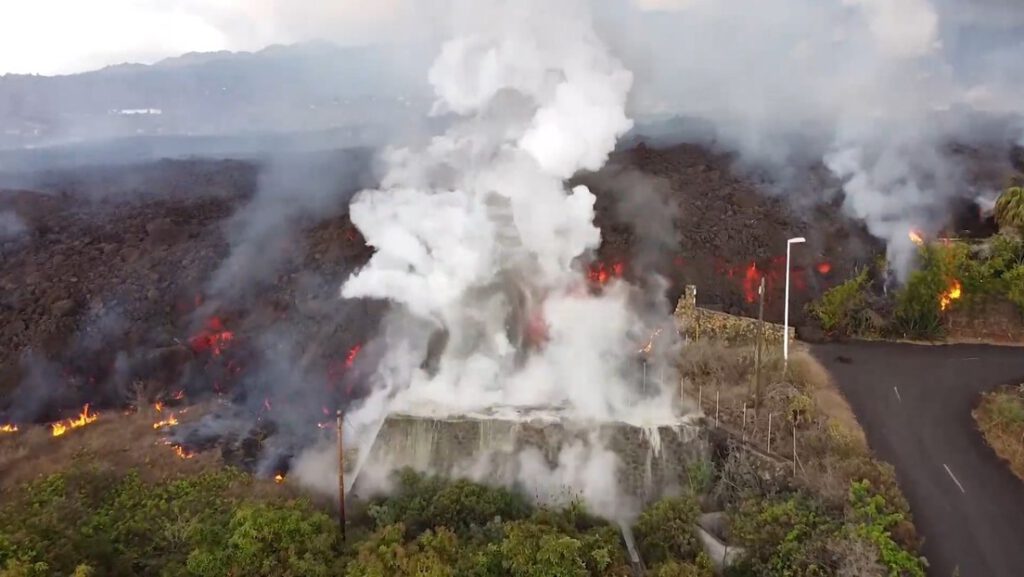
(647, 463)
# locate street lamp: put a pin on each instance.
(785, 315)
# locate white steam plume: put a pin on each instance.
(478, 240)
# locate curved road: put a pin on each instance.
(915, 404)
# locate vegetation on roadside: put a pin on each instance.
(841, 513)
(1000, 416)
(951, 274)
(1009, 209)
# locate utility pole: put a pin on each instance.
(759, 344)
(341, 474)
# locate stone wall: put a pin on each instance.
(697, 323)
(993, 321)
(524, 449)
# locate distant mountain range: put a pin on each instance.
(281, 89)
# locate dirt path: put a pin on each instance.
(915, 404)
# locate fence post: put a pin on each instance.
(769, 432)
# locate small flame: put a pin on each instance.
(279, 478)
(650, 343)
(953, 293)
(916, 238)
(158, 407)
(170, 421)
(8, 428)
(181, 452)
(59, 428)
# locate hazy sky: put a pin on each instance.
(64, 36)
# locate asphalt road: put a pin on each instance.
(915, 404)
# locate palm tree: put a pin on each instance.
(1010, 209)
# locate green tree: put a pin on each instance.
(665, 530)
(271, 541)
(534, 550)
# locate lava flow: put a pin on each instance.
(953, 293)
(600, 273)
(62, 427)
(214, 337)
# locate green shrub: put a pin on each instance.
(842, 308)
(665, 530)
(784, 536)
(421, 502)
(533, 550)
(700, 568)
(270, 541)
(918, 311)
(872, 519)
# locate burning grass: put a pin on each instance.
(1000, 417)
(119, 441)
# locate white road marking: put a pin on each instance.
(952, 476)
(898, 397)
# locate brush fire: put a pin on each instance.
(950, 295)
(84, 418)
(8, 429)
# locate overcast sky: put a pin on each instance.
(65, 36)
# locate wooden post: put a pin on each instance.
(794, 449)
(759, 344)
(717, 393)
(744, 435)
(769, 432)
(341, 474)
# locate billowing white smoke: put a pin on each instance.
(478, 236)
(478, 241)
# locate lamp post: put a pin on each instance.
(785, 315)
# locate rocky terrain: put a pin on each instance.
(186, 275)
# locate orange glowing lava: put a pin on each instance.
(916, 238)
(751, 282)
(353, 353)
(953, 293)
(158, 407)
(824, 268)
(279, 478)
(599, 273)
(8, 429)
(214, 338)
(61, 427)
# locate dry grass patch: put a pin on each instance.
(1000, 416)
(801, 397)
(116, 440)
